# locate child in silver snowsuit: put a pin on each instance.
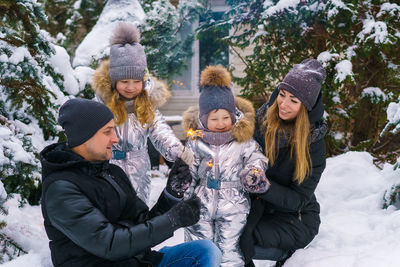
(228, 163)
(125, 86)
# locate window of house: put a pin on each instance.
(212, 50)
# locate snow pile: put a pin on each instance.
(355, 230)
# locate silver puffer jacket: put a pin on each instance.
(224, 210)
(133, 136)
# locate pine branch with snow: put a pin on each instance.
(357, 42)
(31, 89)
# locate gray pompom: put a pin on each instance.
(125, 33)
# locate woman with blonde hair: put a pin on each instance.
(123, 83)
(291, 130)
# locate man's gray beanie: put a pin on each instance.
(304, 81)
(82, 118)
(127, 57)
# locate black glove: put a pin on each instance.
(185, 213)
(179, 179)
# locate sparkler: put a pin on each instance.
(194, 133)
(210, 163)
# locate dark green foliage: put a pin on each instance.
(287, 36)
(69, 22)
(28, 85)
(167, 49)
(392, 197)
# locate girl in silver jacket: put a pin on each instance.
(124, 85)
(228, 163)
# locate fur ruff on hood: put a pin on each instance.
(242, 130)
(102, 86)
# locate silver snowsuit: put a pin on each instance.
(133, 136)
(224, 210)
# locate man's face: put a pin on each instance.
(99, 146)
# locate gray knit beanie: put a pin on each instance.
(215, 82)
(304, 81)
(82, 118)
(127, 57)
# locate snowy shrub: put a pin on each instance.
(70, 20)
(9, 249)
(30, 93)
(392, 196)
(357, 42)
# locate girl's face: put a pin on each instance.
(288, 105)
(129, 88)
(219, 120)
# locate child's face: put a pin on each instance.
(129, 88)
(219, 120)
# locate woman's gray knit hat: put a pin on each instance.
(304, 81)
(127, 56)
(82, 118)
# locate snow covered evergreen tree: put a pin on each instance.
(30, 93)
(9, 249)
(166, 47)
(357, 41)
(70, 20)
(160, 23)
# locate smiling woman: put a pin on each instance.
(290, 129)
(288, 105)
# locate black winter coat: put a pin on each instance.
(287, 215)
(92, 215)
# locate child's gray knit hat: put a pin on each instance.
(127, 56)
(216, 92)
(304, 81)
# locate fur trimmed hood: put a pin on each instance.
(101, 84)
(242, 130)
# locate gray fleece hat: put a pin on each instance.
(304, 81)
(82, 118)
(215, 82)
(127, 56)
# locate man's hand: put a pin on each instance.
(179, 179)
(185, 213)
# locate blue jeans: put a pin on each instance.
(194, 253)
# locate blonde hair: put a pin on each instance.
(143, 108)
(298, 133)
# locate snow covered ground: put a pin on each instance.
(355, 231)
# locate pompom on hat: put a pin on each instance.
(127, 56)
(216, 93)
(304, 81)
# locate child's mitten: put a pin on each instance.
(254, 181)
(187, 156)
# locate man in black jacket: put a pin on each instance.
(92, 215)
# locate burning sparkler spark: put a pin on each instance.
(194, 133)
(210, 163)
